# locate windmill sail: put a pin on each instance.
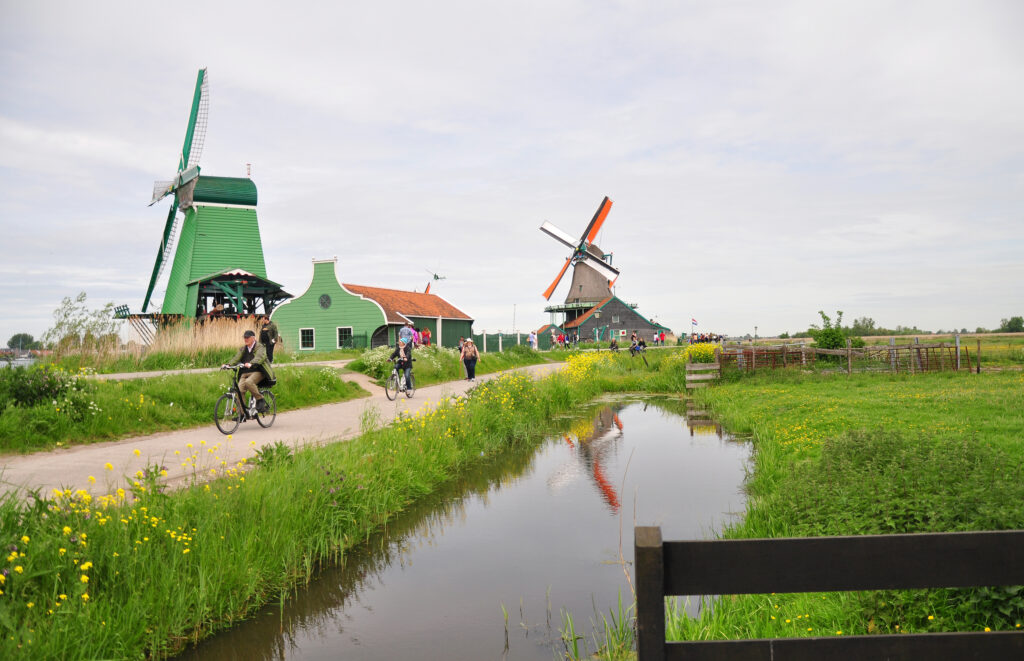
(584, 252)
(188, 170)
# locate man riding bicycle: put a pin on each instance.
(252, 358)
(402, 355)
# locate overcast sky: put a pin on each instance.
(766, 159)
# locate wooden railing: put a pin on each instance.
(700, 375)
(821, 564)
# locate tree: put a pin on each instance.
(1012, 325)
(22, 341)
(863, 326)
(74, 322)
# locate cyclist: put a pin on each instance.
(252, 357)
(403, 357)
(406, 332)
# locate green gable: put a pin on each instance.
(325, 307)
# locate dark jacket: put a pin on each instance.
(401, 362)
(258, 358)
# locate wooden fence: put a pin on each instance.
(822, 564)
(700, 375)
(908, 358)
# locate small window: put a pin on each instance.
(307, 338)
(615, 318)
(344, 337)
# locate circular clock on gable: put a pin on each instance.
(325, 301)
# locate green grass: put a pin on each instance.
(872, 454)
(161, 361)
(95, 410)
(167, 568)
(438, 365)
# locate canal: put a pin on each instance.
(489, 568)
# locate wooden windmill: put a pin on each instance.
(218, 264)
(592, 276)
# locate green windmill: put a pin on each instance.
(218, 266)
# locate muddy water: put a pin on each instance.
(537, 532)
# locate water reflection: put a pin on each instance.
(535, 531)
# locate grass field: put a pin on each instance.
(873, 454)
(997, 349)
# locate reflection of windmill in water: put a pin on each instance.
(218, 266)
(595, 439)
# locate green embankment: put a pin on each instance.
(873, 454)
(834, 455)
(141, 574)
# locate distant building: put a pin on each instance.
(331, 315)
(612, 317)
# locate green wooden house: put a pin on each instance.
(330, 315)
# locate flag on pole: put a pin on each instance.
(693, 321)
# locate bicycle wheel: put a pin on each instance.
(391, 386)
(227, 413)
(412, 386)
(266, 419)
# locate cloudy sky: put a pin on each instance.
(766, 160)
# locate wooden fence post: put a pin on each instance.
(648, 554)
(917, 354)
(483, 336)
(499, 342)
(849, 357)
(977, 356)
(957, 352)
(892, 354)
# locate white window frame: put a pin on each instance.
(615, 318)
(337, 336)
(312, 348)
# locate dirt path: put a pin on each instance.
(74, 467)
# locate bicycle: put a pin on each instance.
(395, 383)
(231, 409)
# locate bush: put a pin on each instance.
(30, 386)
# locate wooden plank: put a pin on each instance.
(701, 377)
(978, 645)
(696, 385)
(650, 593)
(698, 367)
(865, 562)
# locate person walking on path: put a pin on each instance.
(269, 336)
(469, 357)
(252, 356)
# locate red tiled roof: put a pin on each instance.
(583, 317)
(546, 328)
(399, 305)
